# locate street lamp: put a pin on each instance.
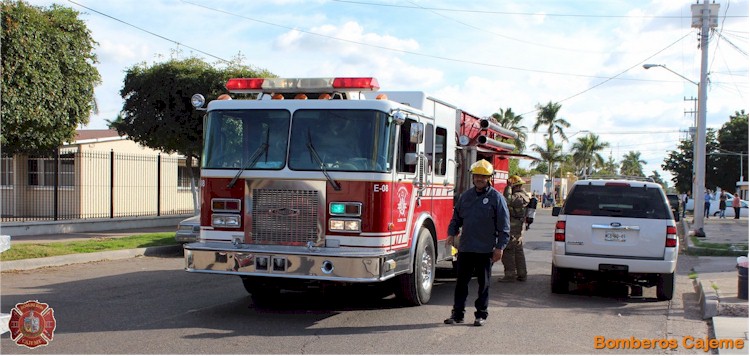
(648, 66)
(699, 156)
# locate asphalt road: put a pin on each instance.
(149, 305)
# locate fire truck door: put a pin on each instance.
(408, 178)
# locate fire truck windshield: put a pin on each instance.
(344, 140)
(249, 139)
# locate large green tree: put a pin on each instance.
(731, 154)
(586, 154)
(632, 164)
(547, 116)
(48, 76)
(680, 163)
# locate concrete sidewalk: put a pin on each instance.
(88, 257)
(717, 282)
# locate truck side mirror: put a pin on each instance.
(556, 211)
(411, 158)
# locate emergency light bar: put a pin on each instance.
(296, 85)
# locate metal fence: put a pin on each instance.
(94, 185)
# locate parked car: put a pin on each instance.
(714, 208)
(618, 231)
(676, 204)
(188, 230)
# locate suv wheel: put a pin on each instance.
(665, 286)
(559, 280)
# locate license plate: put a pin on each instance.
(616, 236)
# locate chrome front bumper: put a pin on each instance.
(282, 262)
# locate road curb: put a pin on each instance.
(707, 298)
(34, 263)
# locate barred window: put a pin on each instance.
(6, 171)
(41, 171)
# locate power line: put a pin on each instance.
(480, 29)
(732, 44)
(518, 13)
(616, 75)
(149, 32)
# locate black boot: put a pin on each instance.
(456, 318)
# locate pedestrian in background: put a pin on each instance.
(481, 214)
(736, 204)
(723, 204)
(707, 202)
(514, 259)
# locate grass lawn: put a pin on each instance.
(21, 251)
(718, 249)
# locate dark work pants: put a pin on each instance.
(473, 264)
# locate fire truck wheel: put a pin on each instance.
(260, 292)
(416, 288)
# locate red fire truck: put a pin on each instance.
(328, 180)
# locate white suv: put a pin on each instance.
(615, 230)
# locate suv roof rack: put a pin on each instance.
(612, 177)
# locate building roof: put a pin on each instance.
(95, 134)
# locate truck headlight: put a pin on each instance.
(225, 220)
(345, 225)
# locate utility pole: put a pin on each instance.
(704, 16)
(691, 133)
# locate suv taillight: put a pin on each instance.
(560, 231)
(671, 237)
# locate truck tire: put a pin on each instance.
(559, 280)
(665, 286)
(416, 288)
(260, 292)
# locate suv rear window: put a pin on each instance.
(621, 201)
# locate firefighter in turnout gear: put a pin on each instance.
(514, 260)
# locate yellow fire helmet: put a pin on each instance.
(482, 167)
(515, 180)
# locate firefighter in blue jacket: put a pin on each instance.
(482, 215)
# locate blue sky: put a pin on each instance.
(586, 55)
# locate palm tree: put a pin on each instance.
(632, 164)
(550, 154)
(547, 116)
(509, 120)
(609, 167)
(586, 153)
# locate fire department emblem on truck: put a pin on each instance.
(402, 205)
(32, 324)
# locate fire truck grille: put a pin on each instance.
(285, 216)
